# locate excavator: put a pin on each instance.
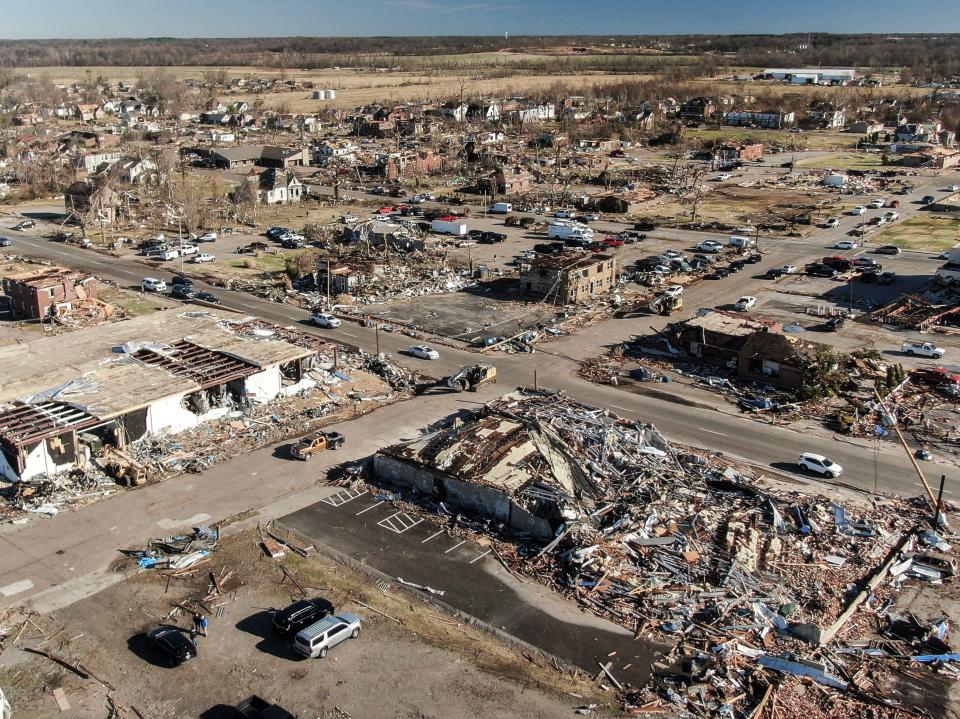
(666, 304)
(472, 377)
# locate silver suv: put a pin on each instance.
(317, 639)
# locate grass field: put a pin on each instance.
(845, 161)
(789, 140)
(931, 234)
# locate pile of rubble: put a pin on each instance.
(177, 553)
(754, 584)
(45, 496)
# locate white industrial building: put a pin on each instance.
(116, 383)
(813, 75)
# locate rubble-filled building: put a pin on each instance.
(570, 277)
(47, 291)
(116, 383)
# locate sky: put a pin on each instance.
(279, 18)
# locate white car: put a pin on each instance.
(845, 245)
(877, 204)
(424, 352)
(710, 246)
(923, 349)
(321, 319)
(820, 464)
(188, 249)
(789, 269)
(152, 284)
(166, 255)
(832, 222)
(891, 216)
(673, 291)
(953, 188)
(563, 214)
(349, 219)
(674, 255)
(858, 210)
(723, 177)
(203, 257)
(208, 237)
(745, 303)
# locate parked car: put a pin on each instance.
(891, 216)
(845, 245)
(187, 249)
(255, 707)
(922, 349)
(5, 241)
(821, 271)
(205, 296)
(927, 199)
(673, 291)
(866, 262)
(834, 324)
(722, 177)
(315, 443)
(886, 278)
(276, 232)
(877, 204)
(788, 269)
(321, 319)
(820, 464)
(612, 242)
(888, 250)
(182, 292)
(207, 237)
(745, 303)
(720, 273)
(710, 246)
(737, 265)
(953, 188)
(349, 219)
(774, 272)
(203, 257)
(317, 639)
(858, 210)
(644, 225)
(674, 255)
(837, 262)
(703, 259)
(24, 225)
(754, 258)
(831, 222)
(423, 352)
(631, 236)
(300, 615)
(173, 644)
(152, 284)
(181, 280)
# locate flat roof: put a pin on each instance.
(568, 261)
(94, 368)
(727, 323)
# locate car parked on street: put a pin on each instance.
(673, 291)
(886, 278)
(300, 615)
(205, 296)
(182, 292)
(845, 245)
(710, 246)
(831, 222)
(207, 237)
(720, 273)
(745, 303)
(927, 199)
(858, 210)
(202, 257)
(423, 352)
(315, 443)
(317, 639)
(327, 321)
(877, 204)
(173, 644)
(788, 269)
(152, 284)
(888, 250)
(816, 270)
(923, 349)
(23, 225)
(5, 241)
(820, 464)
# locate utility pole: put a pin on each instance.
(376, 334)
(328, 285)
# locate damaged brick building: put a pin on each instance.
(49, 291)
(570, 277)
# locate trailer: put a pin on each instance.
(449, 225)
(501, 208)
(568, 231)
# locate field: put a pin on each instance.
(845, 161)
(931, 234)
(789, 140)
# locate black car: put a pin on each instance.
(495, 236)
(177, 648)
(888, 250)
(737, 266)
(301, 614)
(773, 273)
(644, 226)
(868, 276)
(292, 244)
(834, 324)
(207, 297)
(181, 280)
(257, 708)
(720, 273)
(182, 292)
(886, 278)
(821, 271)
(275, 232)
(754, 259)
(927, 199)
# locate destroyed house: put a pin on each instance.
(260, 155)
(117, 383)
(47, 292)
(570, 277)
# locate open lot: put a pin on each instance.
(845, 161)
(419, 663)
(930, 234)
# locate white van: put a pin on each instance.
(742, 242)
(501, 208)
(566, 231)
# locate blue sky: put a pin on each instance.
(247, 18)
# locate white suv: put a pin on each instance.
(321, 319)
(923, 349)
(317, 639)
(820, 464)
(151, 284)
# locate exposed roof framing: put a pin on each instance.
(206, 367)
(29, 423)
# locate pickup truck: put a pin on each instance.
(923, 349)
(256, 708)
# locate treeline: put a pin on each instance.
(923, 56)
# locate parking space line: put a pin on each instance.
(435, 534)
(477, 559)
(372, 506)
(399, 522)
(342, 497)
(455, 546)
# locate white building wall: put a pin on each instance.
(169, 415)
(263, 386)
